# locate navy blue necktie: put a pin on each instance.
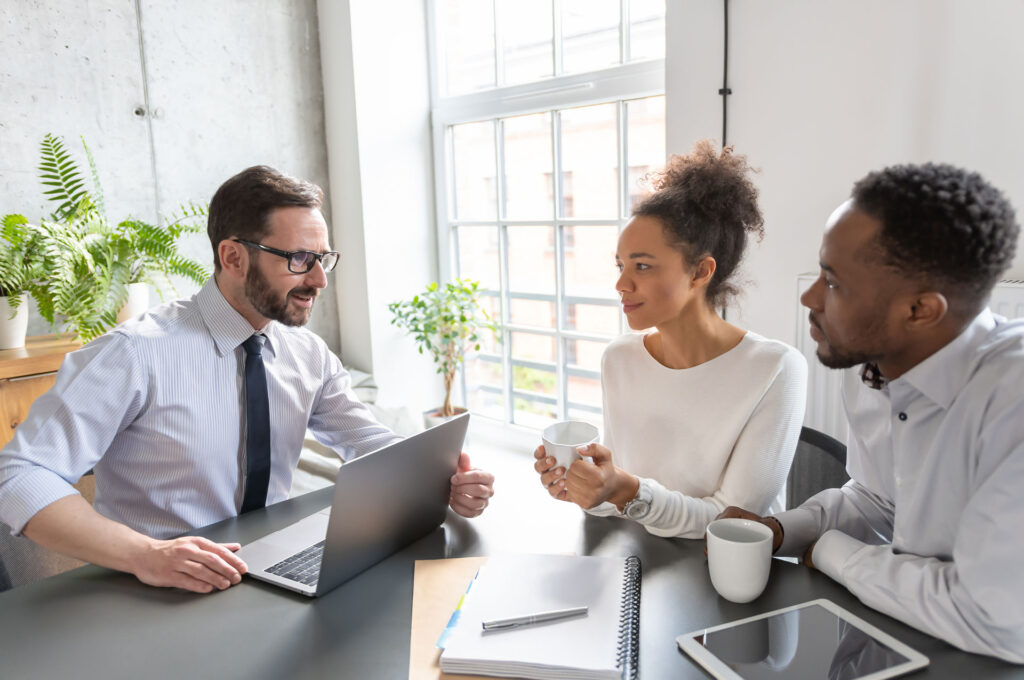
(257, 426)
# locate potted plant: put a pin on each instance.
(21, 266)
(444, 321)
(93, 264)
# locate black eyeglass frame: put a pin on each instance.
(289, 254)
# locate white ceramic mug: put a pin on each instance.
(739, 557)
(561, 439)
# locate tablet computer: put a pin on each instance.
(816, 639)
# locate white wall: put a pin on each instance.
(378, 131)
(228, 87)
(825, 91)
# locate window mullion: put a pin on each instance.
(499, 46)
(556, 37)
(623, 154)
(621, 140)
(556, 179)
(625, 47)
(503, 267)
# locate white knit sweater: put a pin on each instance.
(702, 438)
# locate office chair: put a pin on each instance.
(5, 581)
(819, 463)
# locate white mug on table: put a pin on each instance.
(562, 439)
(739, 558)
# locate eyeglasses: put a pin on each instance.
(299, 261)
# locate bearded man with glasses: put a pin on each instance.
(196, 411)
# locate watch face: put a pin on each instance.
(637, 509)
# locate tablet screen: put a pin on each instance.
(809, 642)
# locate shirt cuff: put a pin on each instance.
(604, 510)
(831, 553)
(799, 530)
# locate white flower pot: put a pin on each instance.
(12, 331)
(137, 303)
(431, 418)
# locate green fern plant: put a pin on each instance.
(89, 260)
(21, 262)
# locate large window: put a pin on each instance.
(547, 115)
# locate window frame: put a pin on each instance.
(616, 84)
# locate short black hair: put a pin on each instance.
(242, 205)
(943, 224)
(707, 204)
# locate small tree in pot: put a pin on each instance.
(444, 320)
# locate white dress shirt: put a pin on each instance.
(930, 528)
(700, 439)
(157, 408)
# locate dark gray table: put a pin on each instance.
(96, 623)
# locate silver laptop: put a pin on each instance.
(383, 501)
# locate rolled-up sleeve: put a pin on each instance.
(98, 391)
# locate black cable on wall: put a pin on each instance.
(725, 91)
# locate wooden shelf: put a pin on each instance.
(41, 354)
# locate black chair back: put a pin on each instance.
(819, 464)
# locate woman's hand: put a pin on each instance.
(594, 479)
(550, 476)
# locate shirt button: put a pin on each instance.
(902, 416)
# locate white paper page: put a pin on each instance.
(515, 585)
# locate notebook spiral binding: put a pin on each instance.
(629, 620)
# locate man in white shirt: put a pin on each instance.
(196, 411)
(928, 529)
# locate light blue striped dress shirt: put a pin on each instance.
(157, 408)
(930, 528)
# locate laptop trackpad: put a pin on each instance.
(302, 534)
(279, 545)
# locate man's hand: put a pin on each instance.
(592, 482)
(72, 527)
(471, 489)
(770, 522)
(190, 563)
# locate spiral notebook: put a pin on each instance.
(604, 643)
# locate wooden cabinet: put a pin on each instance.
(16, 396)
(26, 373)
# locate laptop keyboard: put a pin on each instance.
(303, 567)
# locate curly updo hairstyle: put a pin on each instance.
(707, 205)
(944, 225)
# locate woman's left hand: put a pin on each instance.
(588, 483)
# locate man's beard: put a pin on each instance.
(264, 301)
(839, 358)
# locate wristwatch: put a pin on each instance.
(640, 505)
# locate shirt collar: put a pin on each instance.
(943, 375)
(227, 327)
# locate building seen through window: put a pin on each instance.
(535, 199)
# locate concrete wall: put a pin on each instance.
(827, 90)
(221, 85)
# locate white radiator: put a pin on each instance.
(824, 404)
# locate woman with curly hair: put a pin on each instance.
(699, 413)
